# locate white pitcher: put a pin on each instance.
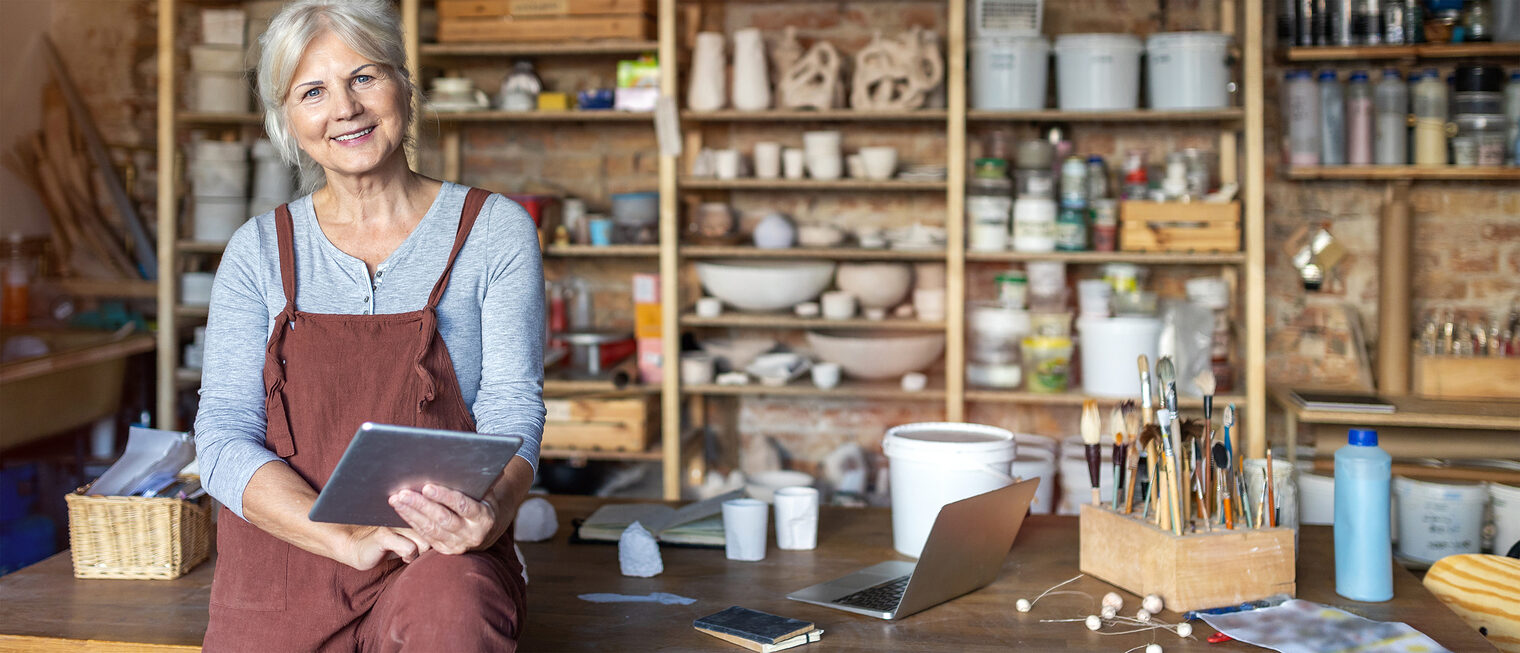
(706, 91)
(752, 84)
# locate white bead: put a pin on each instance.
(1153, 604)
(1093, 622)
(1153, 648)
(1109, 612)
(1112, 599)
(1184, 629)
(1143, 615)
(1022, 605)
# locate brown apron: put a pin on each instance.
(324, 375)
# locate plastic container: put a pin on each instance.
(272, 179)
(1035, 462)
(1359, 120)
(1093, 296)
(1009, 73)
(1316, 499)
(989, 204)
(1332, 120)
(1391, 124)
(1110, 346)
(1363, 539)
(1097, 72)
(1480, 140)
(216, 218)
(1438, 519)
(1047, 363)
(639, 209)
(1034, 224)
(1430, 111)
(1187, 70)
(1301, 102)
(935, 463)
(1504, 500)
(220, 92)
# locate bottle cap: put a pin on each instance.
(1297, 74)
(1390, 73)
(1362, 437)
(1359, 76)
(1326, 74)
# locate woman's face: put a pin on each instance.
(348, 113)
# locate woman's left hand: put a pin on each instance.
(449, 521)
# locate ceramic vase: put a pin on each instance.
(706, 90)
(752, 83)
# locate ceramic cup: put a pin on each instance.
(601, 231)
(929, 303)
(726, 164)
(767, 160)
(744, 529)
(826, 375)
(807, 309)
(696, 368)
(855, 165)
(914, 382)
(838, 305)
(793, 163)
(796, 518)
(824, 160)
(880, 162)
(709, 307)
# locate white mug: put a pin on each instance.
(709, 307)
(696, 368)
(838, 305)
(767, 160)
(793, 162)
(726, 164)
(825, 375)
(796, 518)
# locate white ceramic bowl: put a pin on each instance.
(765, 285)
(877, 355)
(739, 352)
(876, 285)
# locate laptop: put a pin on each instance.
(964, 553)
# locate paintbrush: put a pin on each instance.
(1145, 389)
(1271, 516)
(1166, 374)
(1222, 459)
(1092, 434)
(1132, 457)
(1231, 480)
(1169, 476)
(1205, 384)
(1116, 427)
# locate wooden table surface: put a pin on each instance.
(46, 609)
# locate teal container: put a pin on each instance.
(1363, 542)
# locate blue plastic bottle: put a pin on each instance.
(1363, 545)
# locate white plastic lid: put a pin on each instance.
(1086, 41)
(938, 439)
(1010, 42)
(1187, 40)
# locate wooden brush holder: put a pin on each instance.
(1196, 571)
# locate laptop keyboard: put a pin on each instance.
(883, 597)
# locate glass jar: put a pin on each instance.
(1477, 20)
(1480, 140)
(1074, 183)
(989, 206)
(1071, 230)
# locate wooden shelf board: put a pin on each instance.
(805, 388)
(653, 455)
(775, 321)
(187, 378)
(110, 288)
(599, 387)
(1414, 412)
(1151, 258)
(1075, 398)
(835, 253)
(1412, 173)
(585, 48)
(199, 247)
(76, 357)
(192, 312)
(541, 116)
(609, 251)
(203, 118)
(1418, 51)
(1138, 115)
(831, 115)
(692, 183)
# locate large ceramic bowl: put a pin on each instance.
(876, 285)
(765, 285)
(877, 355)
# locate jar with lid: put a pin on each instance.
(989, 205)
(1480, 140)
(1429, 97)
(1097, 178)
(20, 266)
(1033, 176)
(1477, 21)
(1074, 183)
(1442, 21)
(1105, 226)
(1012, 288)
(1136, 181)
(519, 91)
(1200, 177)
(1301, 101)
(1213, 293)
(1034, 224)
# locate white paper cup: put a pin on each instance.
(796, 518)
(768, 160)
(744, 529)
(826, 375)
(838, 305)
(793, 163)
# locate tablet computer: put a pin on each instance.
(384, 459)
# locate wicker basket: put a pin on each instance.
(137, 538)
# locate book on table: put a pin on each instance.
(756, 630)
(1350, 402)
(698, 523)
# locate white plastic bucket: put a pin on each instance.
(1030, 440)
(1316, 499)
(1009, 73)
(1187, 70)
(1036, 462)
(1505, 500)
(216, 218)
(1110, 347)
(1097, 72)
(935, 463)
(1438, 519)
(220, 92)
(1076, 485)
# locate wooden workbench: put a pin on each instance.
(46, 609)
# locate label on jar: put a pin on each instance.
(1034, 235)
(989, 209)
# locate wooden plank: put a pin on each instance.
(670, 277)
(600, 424)
(1253, 185)
(651, 455)
(1096, 258)
(696, 183)
(541, 116)
(1406, 52)
(832, 253)
(782, 321)
(1406, 173)
(114, 288)
(69, 359)
(197, 118)
(1135, 116)
(448, 9)
(955, 209)
(1415, 412)
(1176, 226)
(829, 115)
(1394, 280)
(198, 247)
(602, 251)
(167, 213)
(566, 28)
(572, 49)
(1075, 398)
(1451, 377)
(805, 388)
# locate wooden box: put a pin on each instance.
(1451, 377)
(601, 424)
(502, 29)
(1179, 227)
(1189, 572)
(449, 9)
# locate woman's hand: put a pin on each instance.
(367, 546)
(449, 521)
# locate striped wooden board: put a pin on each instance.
(1485, 591)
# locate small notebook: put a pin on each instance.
(756, 630)
(1342, 401)
(695, 523)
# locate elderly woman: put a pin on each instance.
(382, 296)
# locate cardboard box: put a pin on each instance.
(647, 319)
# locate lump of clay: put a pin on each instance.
(638, 553)
(536, 520)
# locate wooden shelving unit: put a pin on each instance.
(1233, 114)
(831, 115)
(1406, 173)
(1075, 398)
(199, 247)
(805, 388)
(195, 118)
(860, 185)
(599, 251)
(834, 253)
(766, 321)
(652, 455)
(578, 49)
(103, 288)
(1091, 258)
(1406, 52)
(538, 116)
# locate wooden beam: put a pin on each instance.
(955, 216)
(1394, 257)
(168, 342)
(1255, 372)
(670, 287)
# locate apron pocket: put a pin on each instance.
(250, 566)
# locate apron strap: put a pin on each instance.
(277, 433)
(474, 200)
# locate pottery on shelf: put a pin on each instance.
(775, 231)
(877, 355)
(712, 223)
(736, 353)
(765, 285)
(876, 285)
(752, 81)
(819, 235)
(897, 73)
(784, 55)
(706, 91)
(813, 81)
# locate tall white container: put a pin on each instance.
(1187, 70)
(1009, 73)
(1439, 519)
(935, 463)
(1110, 346)
(1097, 72)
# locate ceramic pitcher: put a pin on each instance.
(706, 90)
(752, 84)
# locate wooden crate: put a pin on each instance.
(1179, 227)
(601, 424)
(449, 9)
(1450, 377)
(500, 29)
(1189, 572)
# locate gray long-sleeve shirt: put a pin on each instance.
(490, 317)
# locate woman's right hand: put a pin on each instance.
(367, 546)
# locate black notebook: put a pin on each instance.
(754, 629)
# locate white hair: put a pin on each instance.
(371, 28)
